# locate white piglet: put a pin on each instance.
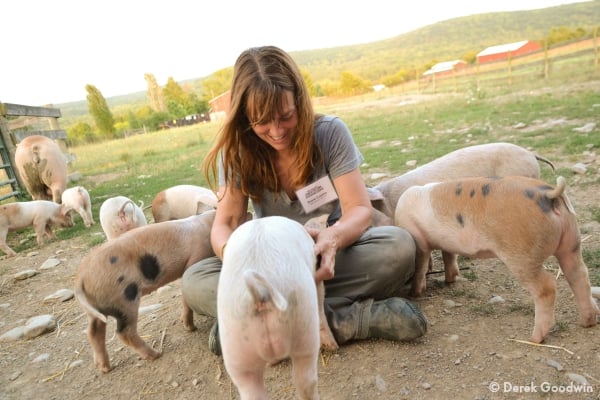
(182, 201)
(269, 307)
(41, 214)
(77, 198)
(120, 214)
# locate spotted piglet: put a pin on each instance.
(114, 276)
(521, 221)
(268, 306)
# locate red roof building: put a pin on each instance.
(504, 51)
(445, 68)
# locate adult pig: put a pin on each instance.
(42, 167)
(491, 160)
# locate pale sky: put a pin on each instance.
(50, 50)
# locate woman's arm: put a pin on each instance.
(231, 213)
(355, 219)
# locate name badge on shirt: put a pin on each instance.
(316, 194)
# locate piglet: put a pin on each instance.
(78, 199)
(491, 159)
(181, 201)
(521, 221)
(42, 214)
(113, 277)
(120, 214)
(268, 306)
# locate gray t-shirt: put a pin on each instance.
(340, 156)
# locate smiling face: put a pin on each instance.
(278, 131)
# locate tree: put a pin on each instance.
(217, 84)
(351, 85)
(155, 94)
(312, 90)
(178, 101)
(79, 133)
(100, 112)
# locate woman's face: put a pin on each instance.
(279, 132)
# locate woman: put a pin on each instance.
(274, 151)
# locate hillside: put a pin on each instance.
(445, 40)
(441, 41)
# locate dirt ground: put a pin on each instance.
(473, 348)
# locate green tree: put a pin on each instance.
(564, 34)
(396, 79)
(80, 133)
(199, 105)
(178, 101)
(100, 112)
(217, 84)
(351, 85)
(312, 90)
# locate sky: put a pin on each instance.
(50, 50)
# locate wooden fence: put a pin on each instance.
(582, 56)
(30, 121)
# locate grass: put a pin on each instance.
(592, 260)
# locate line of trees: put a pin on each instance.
(164, 103)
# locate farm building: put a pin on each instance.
(445, 68)
(504, 51)
(219, 106)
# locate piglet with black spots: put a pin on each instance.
(521, 221)
(114, 276)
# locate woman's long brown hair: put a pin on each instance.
(261, 76)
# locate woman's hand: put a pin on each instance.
(325, 250)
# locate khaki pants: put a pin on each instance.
(379, 265)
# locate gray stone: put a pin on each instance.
(13, 335)
(50, 263)
(28, 273)
(39, 325)
(59, 296)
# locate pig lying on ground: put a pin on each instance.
(268, 307)
(113, 277)
(78, 199)
(181, 201)
(39, 213)
(120, 214)
(42, 167)
(521, 221)
(490, 160)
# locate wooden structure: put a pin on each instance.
(12, 131)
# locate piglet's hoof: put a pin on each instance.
(189, 327)
(151, 355)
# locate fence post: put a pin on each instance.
(8, 143)
(10, 147)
